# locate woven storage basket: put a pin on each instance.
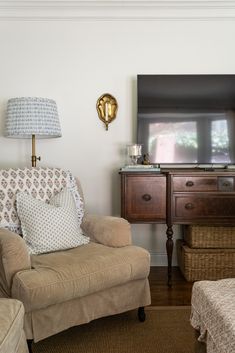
(202, 264)
(210, 237)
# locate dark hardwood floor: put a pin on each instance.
(178, 294)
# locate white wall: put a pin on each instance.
(74, 62)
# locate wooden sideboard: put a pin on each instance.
(178, 197)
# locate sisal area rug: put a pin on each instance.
(166, 330)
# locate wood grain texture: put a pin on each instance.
(161, 294)
(144, 198)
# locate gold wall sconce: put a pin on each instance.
(107, 108)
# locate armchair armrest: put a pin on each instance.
(14, 257)
(110, 231)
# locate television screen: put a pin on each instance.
(186, 128)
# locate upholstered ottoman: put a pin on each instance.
(12, 336)
(213, 314)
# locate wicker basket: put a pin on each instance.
(210, 237)
(205, 264)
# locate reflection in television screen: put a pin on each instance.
(188, 137)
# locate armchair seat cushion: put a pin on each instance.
(65, 275)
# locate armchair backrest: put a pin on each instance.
(41, 183)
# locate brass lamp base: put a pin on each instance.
(34, 158)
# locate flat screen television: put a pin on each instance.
(187, 119)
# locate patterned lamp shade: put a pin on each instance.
(27, 116)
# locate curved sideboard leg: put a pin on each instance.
(169, 249)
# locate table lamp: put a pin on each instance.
(31, 117)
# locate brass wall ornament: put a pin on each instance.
(107, 108)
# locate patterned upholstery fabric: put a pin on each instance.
(41, 183)
(49, 227)
(213, 314)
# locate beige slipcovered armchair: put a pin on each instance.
(70, 287)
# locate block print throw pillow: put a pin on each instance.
(49, 226)
(41, 183)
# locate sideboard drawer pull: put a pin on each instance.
(189, 183)
(146, 197)
(226, 184)
(189, 206)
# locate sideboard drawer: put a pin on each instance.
(194, 183)
(144, 198)
(203, 206)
